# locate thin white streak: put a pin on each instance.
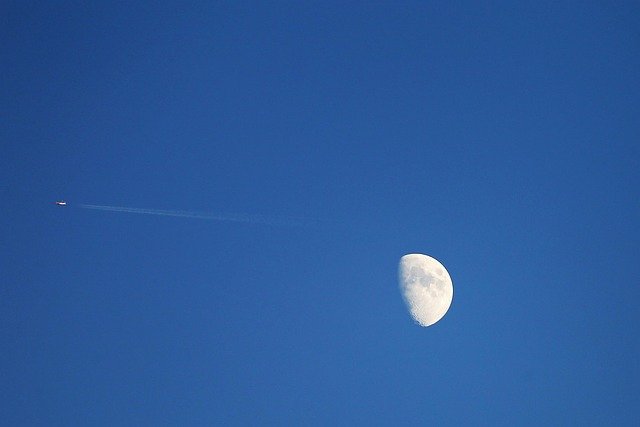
(249, 219)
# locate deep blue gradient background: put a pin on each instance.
(500, 138)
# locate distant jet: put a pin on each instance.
(61, 203)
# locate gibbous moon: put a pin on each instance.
(426, 287)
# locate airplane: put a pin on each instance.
(61, 203)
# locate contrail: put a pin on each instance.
(248, 219)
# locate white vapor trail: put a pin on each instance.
(248, 219)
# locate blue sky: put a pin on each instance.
(498, 137)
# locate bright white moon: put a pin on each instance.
(426, 287)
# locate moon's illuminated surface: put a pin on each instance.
(426, 287)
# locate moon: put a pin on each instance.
(426, 287)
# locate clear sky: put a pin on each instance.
(499, 137)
